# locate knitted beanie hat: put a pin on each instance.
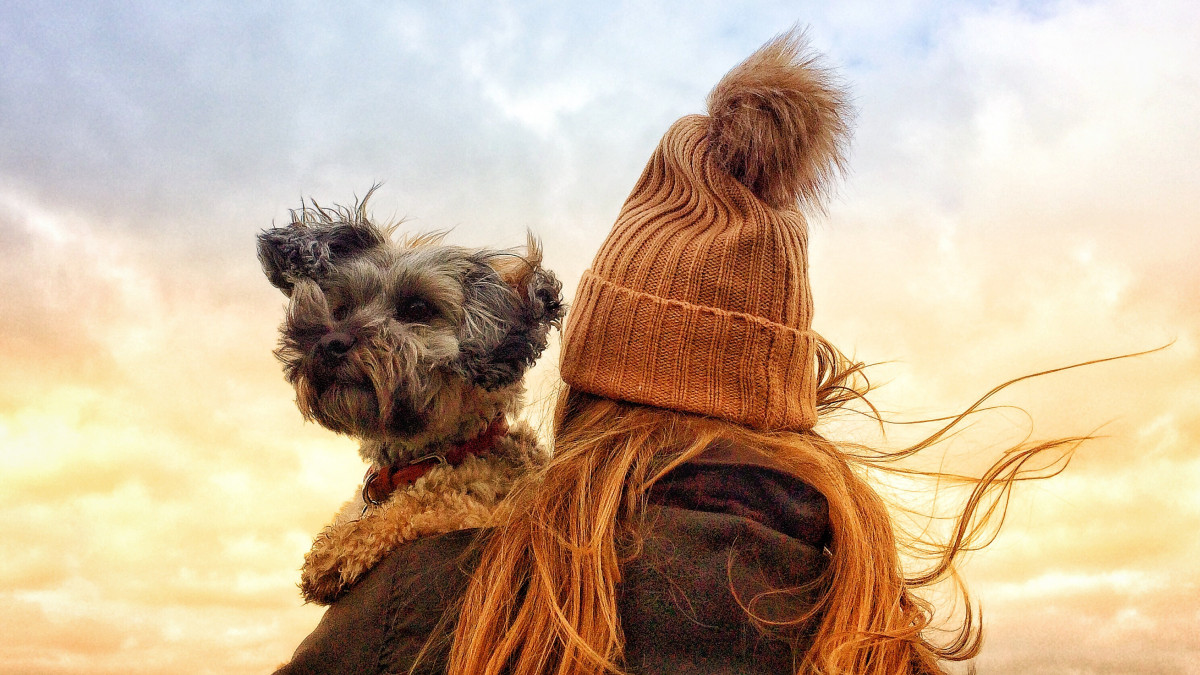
(699, 300)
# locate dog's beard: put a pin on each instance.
(346, 408)
(357, 397)
(355, 409)
(373, 393)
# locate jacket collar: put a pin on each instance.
(724, 452)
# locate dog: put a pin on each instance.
(417, 349)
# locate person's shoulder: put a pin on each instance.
(388, 616)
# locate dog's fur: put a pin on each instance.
(412, 347)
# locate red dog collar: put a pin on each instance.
(381, 482)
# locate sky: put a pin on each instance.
(1021, 195)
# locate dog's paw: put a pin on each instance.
(321, 580)
(347, 550)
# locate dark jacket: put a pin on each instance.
(725, 520)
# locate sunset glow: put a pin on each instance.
(1021, 196)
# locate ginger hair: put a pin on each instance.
(544, 597)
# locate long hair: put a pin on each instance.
(544, 597)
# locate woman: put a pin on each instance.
(691, 521)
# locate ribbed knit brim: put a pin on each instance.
(698, 301)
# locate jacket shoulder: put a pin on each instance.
(387, 618)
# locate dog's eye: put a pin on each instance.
(414, 310)
(339, 312)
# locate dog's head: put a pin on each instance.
(383, 339)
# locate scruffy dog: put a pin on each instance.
(417, 349)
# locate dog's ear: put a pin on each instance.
(308, 247)
(511, 306)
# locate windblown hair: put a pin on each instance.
(544, 598)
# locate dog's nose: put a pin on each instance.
(334, 346)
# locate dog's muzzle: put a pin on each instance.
(334, 347)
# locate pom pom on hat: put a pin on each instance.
(779, 123)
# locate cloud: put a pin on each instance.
(1020, 199)
(76, 631)
(153, 464)
(1147, 634)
